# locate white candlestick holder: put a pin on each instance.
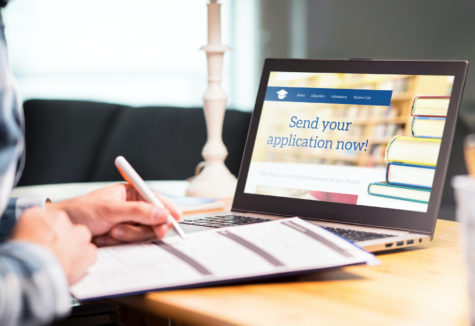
(212, 178)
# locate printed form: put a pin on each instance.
(240, 252)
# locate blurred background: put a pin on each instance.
(146, 52)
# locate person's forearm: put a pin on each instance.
(33, 286)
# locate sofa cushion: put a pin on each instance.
(77, 141)
(166, 143)
(63, 139)
(161, 143)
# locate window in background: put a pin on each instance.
(140, 52)
(244, 61)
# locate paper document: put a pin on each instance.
(240, 252)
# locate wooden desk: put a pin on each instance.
(424, 286)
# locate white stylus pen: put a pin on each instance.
(133, 178)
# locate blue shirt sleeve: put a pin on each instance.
(8, 219)
(14, 209)
(33, 287)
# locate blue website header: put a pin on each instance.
(329, 95)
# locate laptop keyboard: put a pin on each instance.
(355, 235)
(223, 221)
(233, 220)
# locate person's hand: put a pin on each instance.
(117, 214)
(71, 244)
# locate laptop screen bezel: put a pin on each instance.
(406, 220)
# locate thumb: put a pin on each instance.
(136, 212)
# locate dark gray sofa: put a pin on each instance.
(77, 141)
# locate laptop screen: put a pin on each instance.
(359, 139)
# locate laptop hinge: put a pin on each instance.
(243, 211)
(360, 59)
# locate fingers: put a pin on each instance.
(106, 240)
(82, 232)
(124, 233)
(135, 211)
(133, 195)
(88, 257)
(170, 205)
(132, 233)
(82, 245)
(161, 230)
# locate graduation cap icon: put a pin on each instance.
(282, 94)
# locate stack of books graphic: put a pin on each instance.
(411, 161)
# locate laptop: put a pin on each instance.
(357, 146)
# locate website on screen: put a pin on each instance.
(363, 139)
